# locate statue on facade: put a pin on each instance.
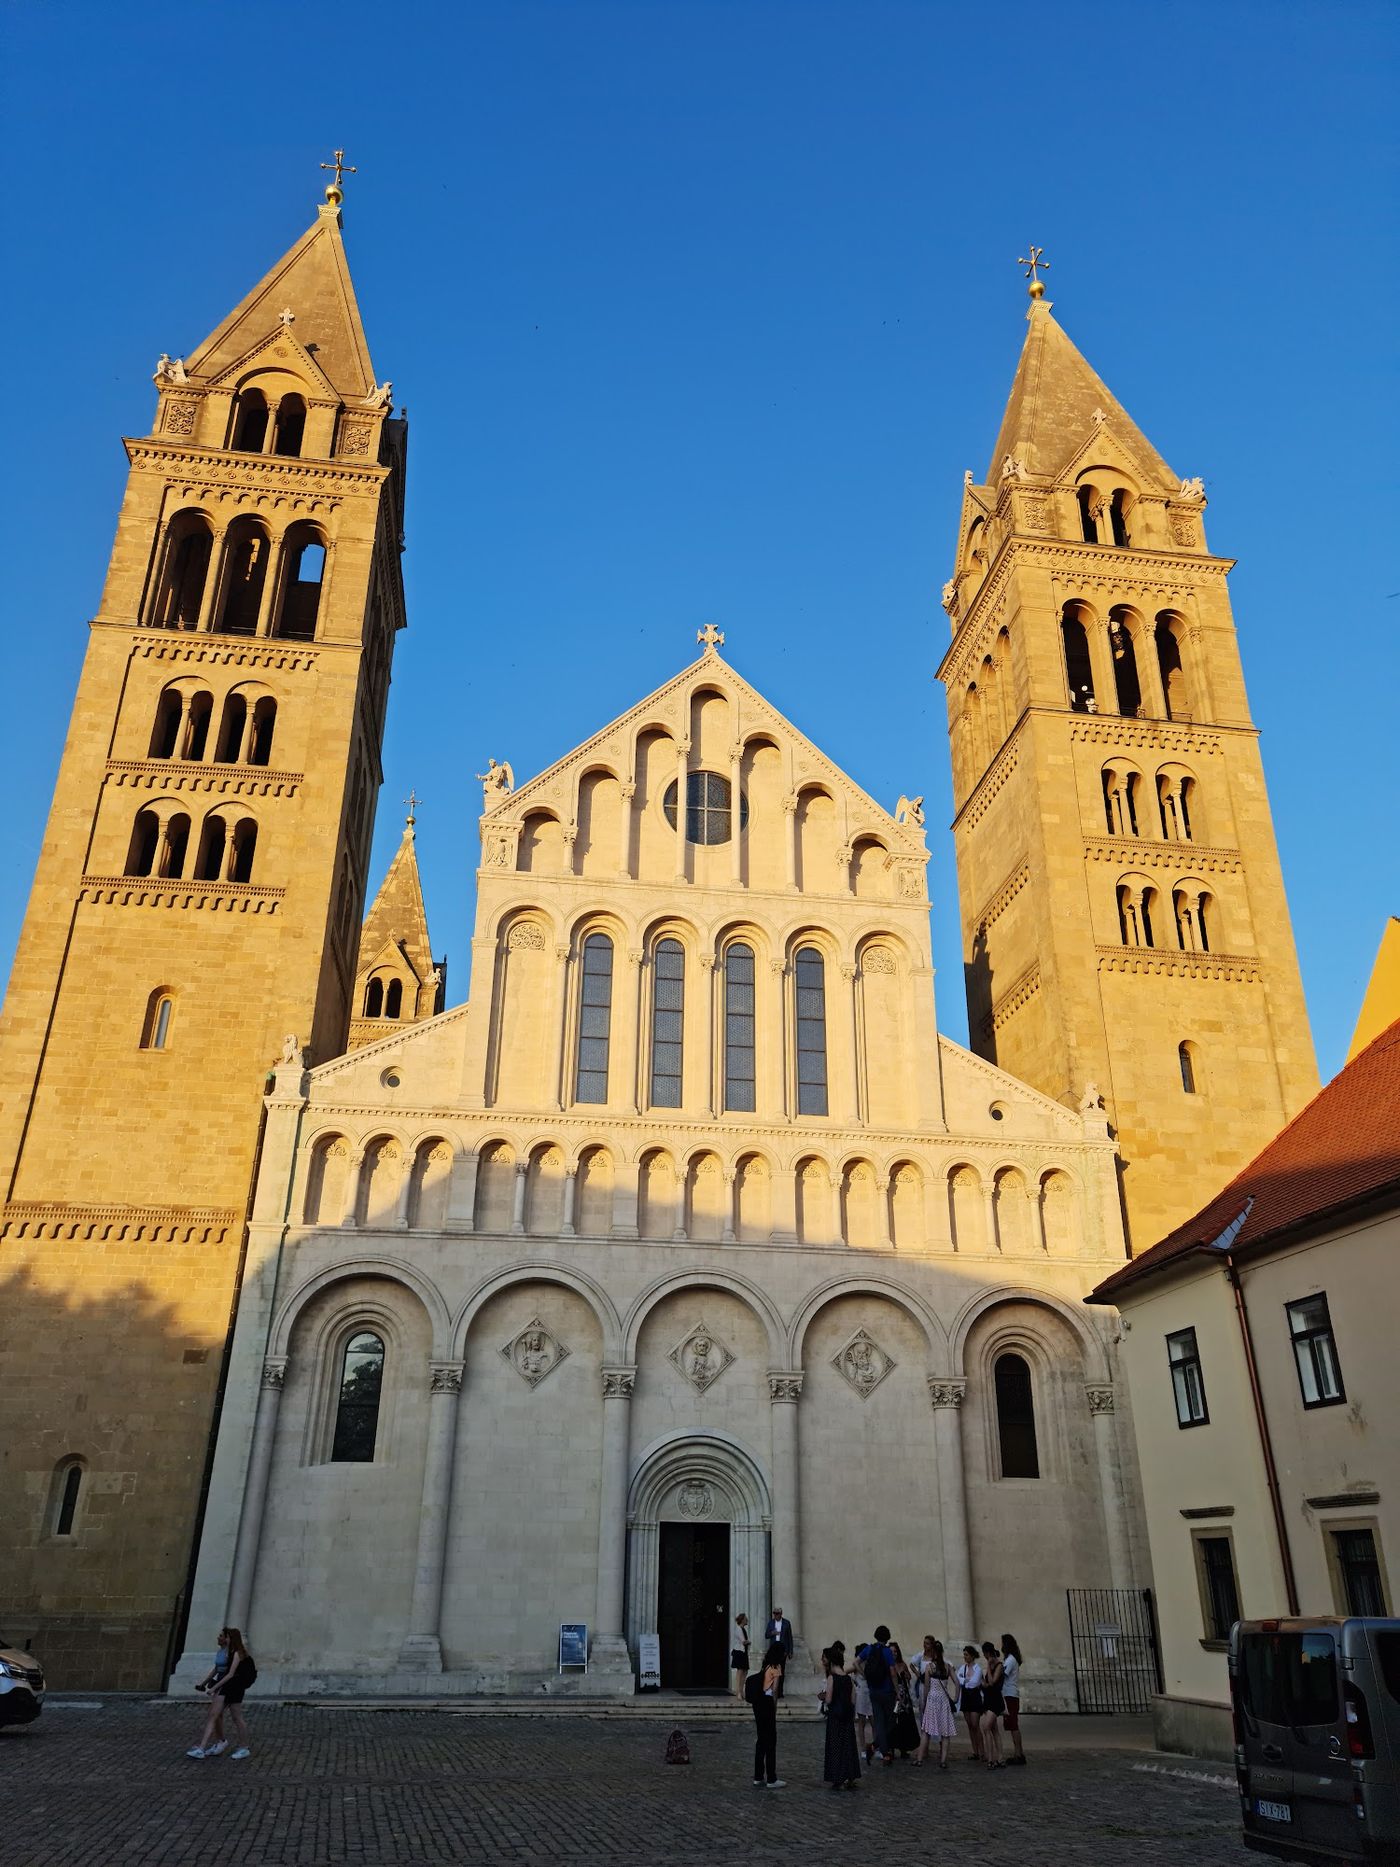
(497, 781)
(170, 369)
(1091, 1102)
(910, 810)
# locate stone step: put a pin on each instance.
(652, 1707)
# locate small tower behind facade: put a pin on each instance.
(397, 980)
(1124, 922)
(194, 917)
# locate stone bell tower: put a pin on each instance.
(195, 916)
(1125, 929)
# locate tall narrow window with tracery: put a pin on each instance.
(740, 1086)
(357, 1399)
(595, 1020)
(1015, 1396)
(811, 1032)
(667, 1024)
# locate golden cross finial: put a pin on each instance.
(1036, 264)
(335, 194)
(413, 801)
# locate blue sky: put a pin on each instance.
(699, 312)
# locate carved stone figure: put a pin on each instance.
(534, 1353)
(171, 369)
(381, 396)
(1091, 1102)
(863, 1363)
(910, 810)
(497, 781)
(1011, 468)
(291, 1048)
(1194, 488)
(702, 1358)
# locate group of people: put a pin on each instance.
(226, 1681)
(882, 1706)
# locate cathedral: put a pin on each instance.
(685, 1268)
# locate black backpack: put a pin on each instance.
(877, 1668)
(753, 1688)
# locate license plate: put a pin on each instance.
(1272, 1811)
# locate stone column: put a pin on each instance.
(271, 579)
(989, 1214)
(1036, 1195)
(399, 1222)
(771, 1034)
(618, 1384)
(707, 1024)
(682, 768)
(736, 841)
(1154, 699)
(847, 1048)
(566, 1230)
(461, 1194)
(624, 1057)
(213, 577)
(422, 1648)
(624, 850)
(784, 1389)
(882, 1193)
(1101, 664)
(790, 841)
(1120, 1566)
(245, 1558)
(517, 1204)
(947, 1398)
(561, 1094)
(730, 1229)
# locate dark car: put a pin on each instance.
(1317, 1737)
(21, 1685)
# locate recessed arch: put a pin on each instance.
(1093, 1345)
(537, 1272)
(696, 1279)
(934, 1333)
(393, 1270)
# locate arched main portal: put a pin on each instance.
(698, 1517)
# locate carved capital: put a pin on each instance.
(618, 1383)
(629, 790)
(445, 1377)
(785, 1384)
(790, 804)
(943, 1393)
(274, 1371)
(1100, 1399)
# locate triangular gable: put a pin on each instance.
(657, 709)
(280, 349)
(313, 279)
(392, 953)
(1003, 1082)
(1107, 446)
(400, 1036)
(978, 502)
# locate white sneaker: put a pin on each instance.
(217, 1750)
(777, 1783)
(239, 1755)
(196, 1752)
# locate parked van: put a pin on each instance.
(1317, 1737)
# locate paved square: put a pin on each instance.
(89, 1787)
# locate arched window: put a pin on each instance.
(145, 840)
(374, 999)
(1079, 670)
(155, 1026)
(739, 1047)
(188, 543)
(245, 573)
(1118, 516)
(231, 729)
(811, 1032)
(1015, 1394)
(393, 999)
(264, 722)
(1186, 1061)
(1127, 688)
(1120, 795)
(245, 841)
(357, 1402)
(68, 1484)
(1174, 798)
(1173, 670)
(196, 739)
(213, 841)
(291, 424)
(667, 1024)
(304, 561)
(1189, 908)
(595, 1020)
(1088, 514)
(165, 733)
(174, 842)
(1135, 914)
(250, 422)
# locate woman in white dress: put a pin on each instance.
(865, 1711)
(936, 1721)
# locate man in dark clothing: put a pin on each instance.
(879, 1677)
(778, 1632)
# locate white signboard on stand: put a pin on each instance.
(649, 1662)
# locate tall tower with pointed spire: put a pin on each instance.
(194, 919)
(397, 980)
(1125, 929)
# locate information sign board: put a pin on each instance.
(649, 1662)
(573, 1644)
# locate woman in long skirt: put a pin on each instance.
(842, 1763)
(904, 1729)
(937, 1725)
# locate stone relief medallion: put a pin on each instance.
(863, 1363)
(534, 1353)
(695, 1499)
(701, 1357)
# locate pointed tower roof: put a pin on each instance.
(1055, 404)
(312, 280)
(398, 917)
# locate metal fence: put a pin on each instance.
(1113, 1636)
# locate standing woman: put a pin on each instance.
(904, 1729)
(228, 1697)
(992, 1706)
(969, 1677)
(739, 1653)
(865, 1712)
(1011, 1695)
(936, 1720)
(765, 1718)
(842, 1762)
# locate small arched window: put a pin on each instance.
(374, 999)
(155, 1026)
(174, 843)
(188, 544)
(145, 840)
(231, 729)
(1175, 687)
(1118, 516)
(1174, 798)
(291, 424)
(811, 1032)
(1186, 1061)
(1088, 514)
(1127, 687)
(245, 842)
(1015, 1396)
(67, 1488)
(245, 573)
(250, 422)
(595, 1020)
(393, 999)
(1120, 795)
(213, 841)
(264, 723)
(739, 1047)
(165, 734)
(1079, 671)
(1135, 914)
(667, 1024)
(304, 561)
(357, 1402)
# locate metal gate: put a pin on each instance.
(1113, 1636)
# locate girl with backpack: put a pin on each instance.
(228, 1697)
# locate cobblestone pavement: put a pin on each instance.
(326, 1787)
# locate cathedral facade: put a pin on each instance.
(683, 1270)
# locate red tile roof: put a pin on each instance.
(1343, 1147)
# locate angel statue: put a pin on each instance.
(497, 781)
(910, 810)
